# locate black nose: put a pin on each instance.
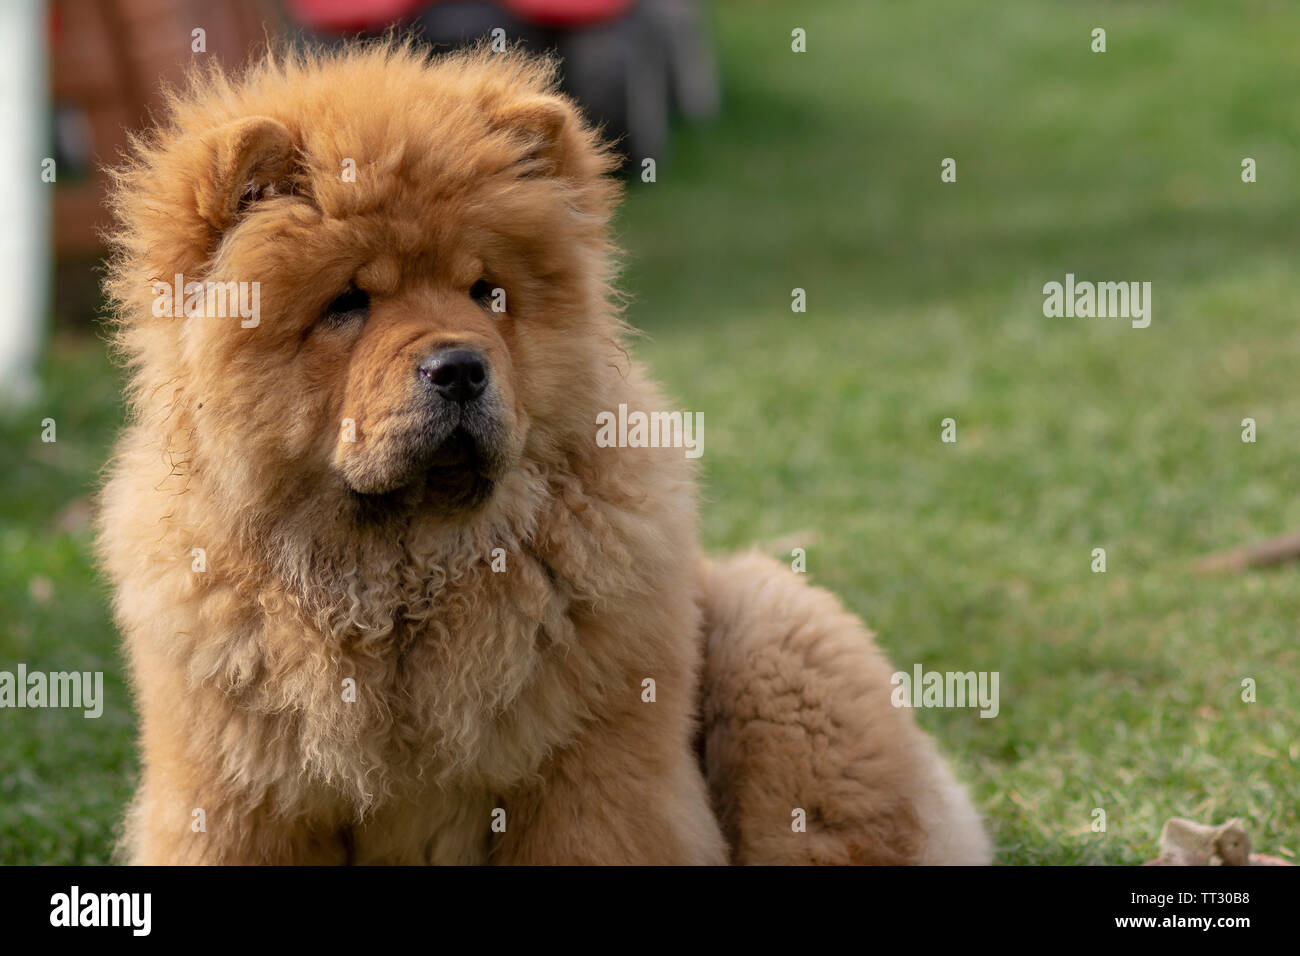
(457, 374)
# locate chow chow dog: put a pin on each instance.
(385, 599)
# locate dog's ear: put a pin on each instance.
(250, 158)
(558, 144)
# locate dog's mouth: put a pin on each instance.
(458, 472)
(459, 469)
(447, 456)
(457, 450)
(450, 470)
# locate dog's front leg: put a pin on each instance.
(175, 820)
(626, 792)
(199, 803)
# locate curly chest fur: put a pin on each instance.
(469, 685)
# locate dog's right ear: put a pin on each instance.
(248, 159)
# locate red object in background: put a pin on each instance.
(567, 13)
(340, 16)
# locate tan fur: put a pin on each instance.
(327, 560)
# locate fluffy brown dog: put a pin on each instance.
(384, 597)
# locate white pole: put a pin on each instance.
(25, 199)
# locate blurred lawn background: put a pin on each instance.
(1119, 691)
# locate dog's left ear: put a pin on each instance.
(558, 142)
(250, 158)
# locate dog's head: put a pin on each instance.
(368, 275)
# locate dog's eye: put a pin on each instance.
(352, 304)
(481, 292)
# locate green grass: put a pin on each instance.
(64, 779)
(1118, 690)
